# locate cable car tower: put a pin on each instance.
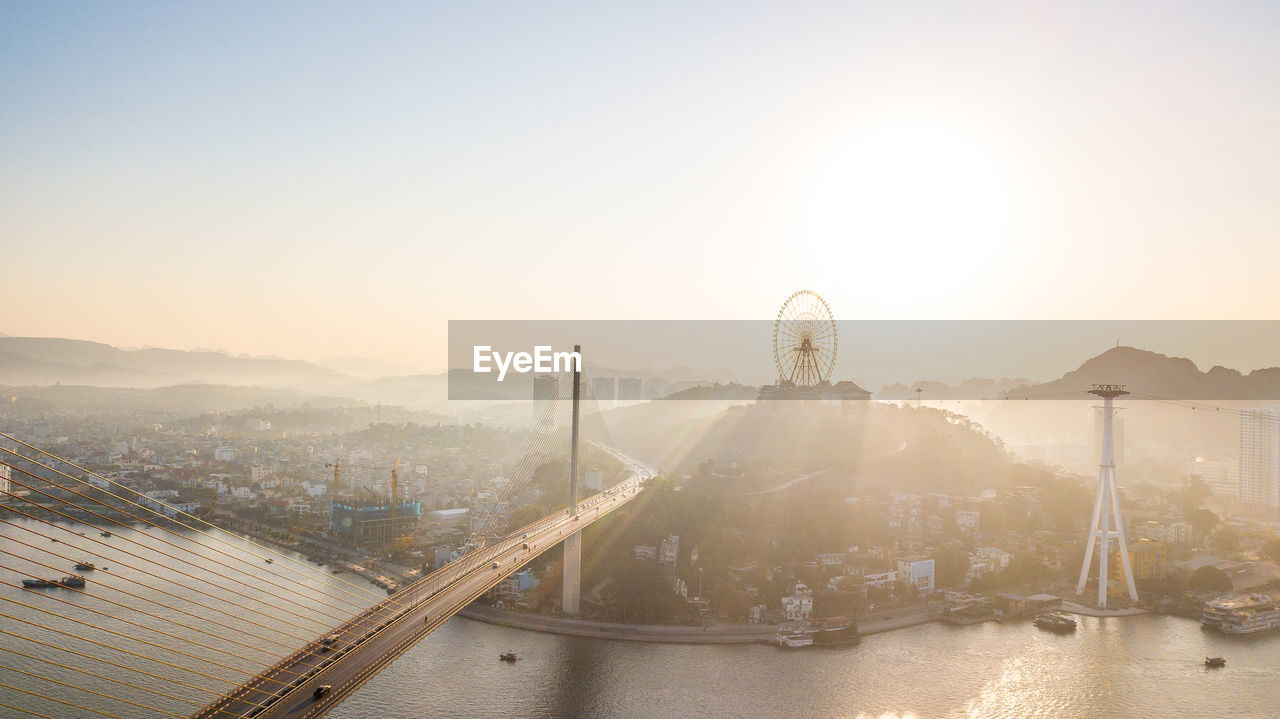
(1106, 505)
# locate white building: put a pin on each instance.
(918, 572)
(1219, 477)
(1168, 531)
(998, 557)
(314, 490)
(224, 453)
(1260, 456)
(669, 551)
(799, 604)
(880, 579)
(4, 480)
(257, 473)
(968, 519)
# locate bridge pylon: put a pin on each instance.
(571, 591)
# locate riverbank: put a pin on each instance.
(713, 634)
(1073, 608)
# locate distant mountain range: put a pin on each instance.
(1156, 375)
(46, 361)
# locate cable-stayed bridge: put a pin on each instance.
(179, 618)
(367, 643)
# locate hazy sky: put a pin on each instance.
(318, 179)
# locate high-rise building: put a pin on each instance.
(630, 389)
(1260, 456)
(604, 388)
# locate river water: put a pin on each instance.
(1146, 666)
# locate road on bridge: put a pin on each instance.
(367, 643)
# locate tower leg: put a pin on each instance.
(1124, 547)
(1104, 548)
(572, 590)
(1093, 536)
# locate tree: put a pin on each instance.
(1272, 549)
(1202, 520)
(1209, 578)
(1194, 493)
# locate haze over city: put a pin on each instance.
(930, 365)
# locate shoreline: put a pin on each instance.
(667, 634)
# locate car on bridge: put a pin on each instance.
(322, 690)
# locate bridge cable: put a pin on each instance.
(148, 586)
(95, 675)
(143, 672)
(164, 529)
(70, 704)
(25, 711)
(51, 680)
(179, 560)
(362, 591)
(278, 630)
(368, 595)
(143, 612)
(232, 682)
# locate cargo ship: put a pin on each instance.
(72, 581)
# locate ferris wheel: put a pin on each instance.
(804, 340)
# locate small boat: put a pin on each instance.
(508, 656)
(85, 566)
(1215, 662)
(105, 534)
(270, 561)
(1055, 622)
(71, 581)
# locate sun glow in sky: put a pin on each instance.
(313, 180)
(934, 189)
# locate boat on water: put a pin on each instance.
(828, 632)
(85, 566)
(794, 638)
(834, 631)
(105, 534)
(1250, 621)
(508, 656)
(1217, 610)
(270, 561)
(71, 581)
(1215, 662)
(1055, 622)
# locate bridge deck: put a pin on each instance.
(368, 642)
